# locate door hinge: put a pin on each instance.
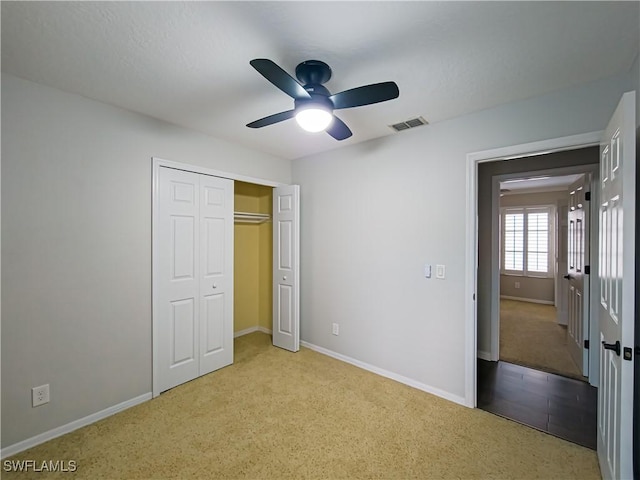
(586, 344)
(626, 353)
(587, 269)
(587, 196)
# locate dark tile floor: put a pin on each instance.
(561, 406)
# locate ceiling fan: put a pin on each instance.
(313, 103)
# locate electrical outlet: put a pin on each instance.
(440, 272)
(40, 395)
(335, 329)
(517, 284)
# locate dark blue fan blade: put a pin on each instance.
(271, 119)
(339, 129)
(366, 95)
(279, 78)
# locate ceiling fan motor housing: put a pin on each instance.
(313, 72)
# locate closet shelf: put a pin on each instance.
(247, 217)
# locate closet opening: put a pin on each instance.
(253, 259)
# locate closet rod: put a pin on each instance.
(247, 217)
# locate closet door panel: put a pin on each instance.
(213, 312)
(284, 245)
(213, 248)
(182, 332)
(216, 273)
(177, 277)
(285, 307)
(286, 267)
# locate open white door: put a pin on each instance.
(617, 291)
(286, 267)
(577, 260)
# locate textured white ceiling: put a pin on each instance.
(188, 62)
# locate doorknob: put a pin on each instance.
(612, 346)
(567, 276)
(215, 285)
(284, 278)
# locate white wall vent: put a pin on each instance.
(407, 124)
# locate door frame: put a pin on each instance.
(494, 352)
(474, 159)
(158, 163)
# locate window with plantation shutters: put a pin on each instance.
(526, 241)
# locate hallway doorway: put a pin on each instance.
(525, 371)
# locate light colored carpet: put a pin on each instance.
(276, 414)
(530, 336)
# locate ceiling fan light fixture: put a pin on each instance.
(313, 103)
(314, 118)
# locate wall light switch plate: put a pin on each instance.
(440, 272)
(427, 270)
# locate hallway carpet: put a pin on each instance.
(530, 336)
(281, 415)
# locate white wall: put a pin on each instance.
(374, 213)
(76, 248)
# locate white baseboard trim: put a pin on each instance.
(249, 330)
(482, 355)
(386, 373)
(70, 427)
(530, 300)
(246, 331)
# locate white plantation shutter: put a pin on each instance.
(526, 241)
(513, 242)
(538, 242)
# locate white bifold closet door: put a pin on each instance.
(286, 267)
(194, 275)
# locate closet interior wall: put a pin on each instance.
(253, 259)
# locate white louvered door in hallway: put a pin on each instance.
(193, 276)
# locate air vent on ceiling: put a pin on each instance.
(407, 124)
